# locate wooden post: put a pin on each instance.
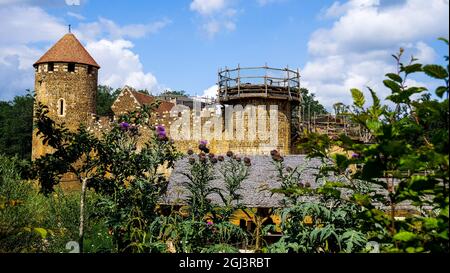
(298, 85)
(226, 82)
(82, 206)
(239, 80)
(289, 82)
(219, 83)
(309, 116)
(265, 78)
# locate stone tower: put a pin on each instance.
(264, 87)
(66, 82)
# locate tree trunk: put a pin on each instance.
(82, 201)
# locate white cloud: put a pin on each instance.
(217, 15)
(22, 42)
(120, 65)
(365, 25)
(108, 28)
(211, 92)
(268, 2)
(76, 15)
(355, 51)
(207, 7)
(44, 3)
(39, 26)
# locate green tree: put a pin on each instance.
(407, 161)
(16, 126)
(310, 104)
(105, 98)
(177, 93)
(128, 179)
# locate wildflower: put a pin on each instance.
(160, 130)
(220, 158)
(161, 133)
(209, 223)
(308, 220)
(278, 157)
(229, 153)
(202, 146)
(355, 155)
(124, 126)
(202, 157)
(247, 161)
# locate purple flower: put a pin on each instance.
(161, 131)
(203, 142)
(160, 128)
(209, 223)
(355, 155)
(124, 126)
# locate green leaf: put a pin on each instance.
(42, 232)
(362, 199)
(395, 88)
(435, 71)
(358, 97)
(443, 39)
(404, 236)
(394, 77)
(440, 91)
(376, 100)
(409, 69)
(373, 125)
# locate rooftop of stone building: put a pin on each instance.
(68, 49)
(255, 189)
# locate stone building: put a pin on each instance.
(66, 81)
(66, 78)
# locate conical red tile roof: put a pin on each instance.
(68, 49)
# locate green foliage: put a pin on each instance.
(405, 162)
(313, 228)
(16, 126)
(105, 99)
(199, 187)
(129, 180)
(310, 104)
(175, 93)
(31, 222)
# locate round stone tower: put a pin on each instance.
(263, 87)
(66, 82)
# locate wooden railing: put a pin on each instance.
(263, 81)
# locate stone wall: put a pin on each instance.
(77, 90)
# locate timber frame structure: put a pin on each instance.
(258, 82)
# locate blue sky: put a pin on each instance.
(180, 44)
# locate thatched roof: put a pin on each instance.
(256, 188)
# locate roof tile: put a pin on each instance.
(68, 49)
